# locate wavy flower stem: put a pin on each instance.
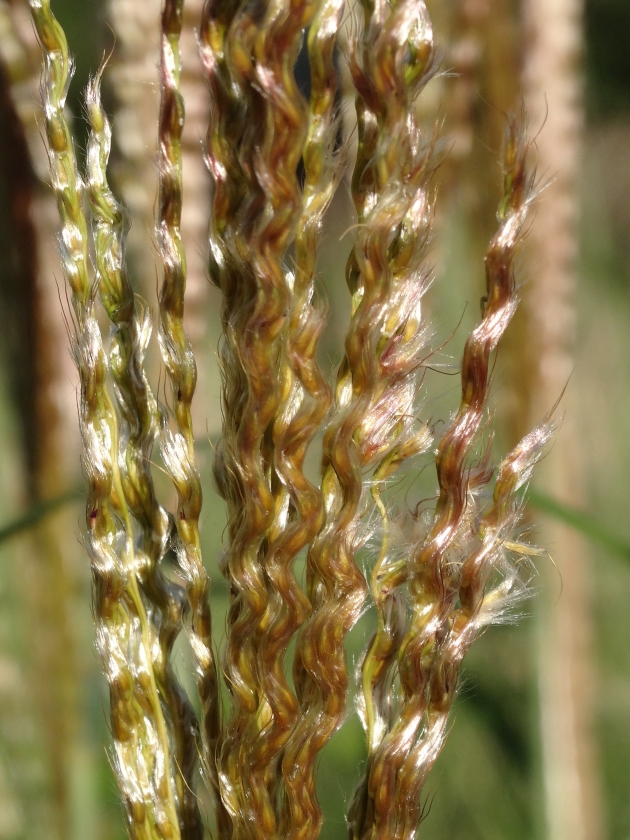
(124, 633)
(304, 401)
(139, 425)
(228, 267)
(178, 443)
(228, 142)
(428, 685)
(309, 393)
(260, 44)
(374, 392)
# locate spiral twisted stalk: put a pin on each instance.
(401, 209)
(125, 637)
(230, 102)
(370, 418)
(391, 194)
(267, 436)
(304, 401)
(178, 443)
(229, 145)
(428, 685)
(139, 425)
(309, 393)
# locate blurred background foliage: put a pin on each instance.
(55, 779)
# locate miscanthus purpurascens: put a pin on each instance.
(439, 577)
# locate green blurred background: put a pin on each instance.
(487, 783)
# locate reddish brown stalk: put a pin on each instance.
(274, 163)
(305, 399)
(408, 751)
(312, 392)
(373, 406)
(255, 50)
(229, 144)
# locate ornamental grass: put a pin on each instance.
(431, 578)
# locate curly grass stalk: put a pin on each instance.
(232, 184)
(399, 211)
(178, 443)
(310, 396)
(255, 52)
(392, 199)
(375, 393)
(228, 145)
(427, 681)
(237, 113)
(139, 427)
(304, 401)
(124, 632)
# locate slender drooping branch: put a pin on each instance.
(139, 426)
(125, 636)
(253, 52)
(375, 393)
(428, 676)
(304, 399)
(177, 439)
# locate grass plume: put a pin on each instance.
(275, 164)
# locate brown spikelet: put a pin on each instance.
(305, 398)
(428, 685)
(437, 578)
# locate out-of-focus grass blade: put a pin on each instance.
(581, 521)
(36, 513)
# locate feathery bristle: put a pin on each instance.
(428, 679)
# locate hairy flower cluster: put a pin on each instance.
(436, 581)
